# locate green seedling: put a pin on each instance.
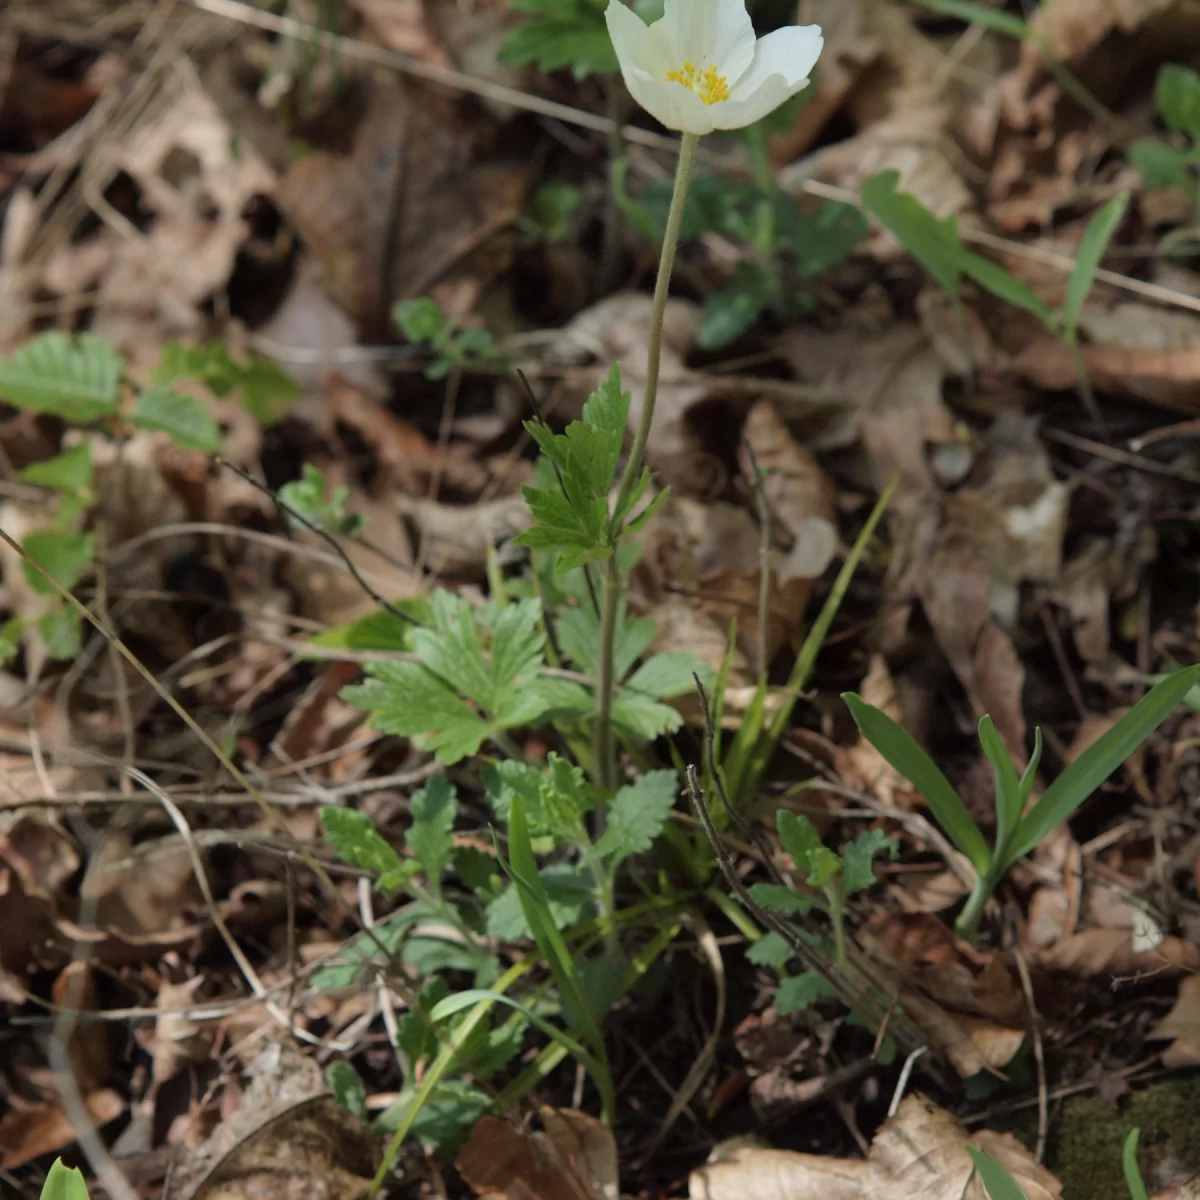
(82, 380)
(1020, 826)
(1174, 161)
(830, 879)
(452, 347)
(312, 504)
(936, 244)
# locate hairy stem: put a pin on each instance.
(605, 766)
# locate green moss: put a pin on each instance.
(1086, 1136)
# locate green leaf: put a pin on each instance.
(565, 798)
(267, 390)
(62, 631)
(309, 498)
(63, 554)
(410, 701)
(901, 750)
(1160, 165)
(518, 648)
(10, 639)
(670, 674)
(185, 419)
(70, 471)
(420, 320)
(569, 892)
(74, 378)
(452, 650)
(727, 315)
(64, 1183)
(348, 1090)
(769, 951)
(553, 44)
(999, 1183)
(1092, 247)
(431, 835)
(444, 1119)
(1129, 1165)
(995, 279)
(774, 897)
(1010, 802)
(799, 837)
(1082, 777)
(356, 841)
(798, 992)
(637, 816)
(934, 243)
(857, 858)
(380, 630)
(1177, 95)
(550, 210)
(821, 240)
(981, 14)
(642, 717)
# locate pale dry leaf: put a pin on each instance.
(178, 1039)
(1110, 952)
(1182, 1026)
(26, 1134)
(861, 765)
(919, 1154)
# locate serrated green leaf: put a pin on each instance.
(565, 798)
(774, 897)
(431, 835)
(670, 674)
(900, 749)
(64, 1183)
(416, 1032)
(569, 892)
(642, 717)
(518, 647)
(1083, 776)
(356, 841)
(553, 43)
(444, 1119)
(823, 868)
(1091, 253)
(63, 554)
(769, 951)
(798, 992)
(799, 837)
(70, 471)
(537, 699)
(184, 419)
(75, 378)
(407, 700)
(728, 314)
(452, 650)
(637, 816)
(607, 411)
(1177, 94)
(349, 1092)
(999, 1182)
(379, 630)
(933, 242)
(858, 872)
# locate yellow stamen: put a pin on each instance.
(711, 87)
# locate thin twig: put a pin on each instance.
(757, 482)
(325, 536)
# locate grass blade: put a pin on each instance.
(901, 750)
(999, 1183)
(980, 14)
(1091, 252)
(1009, 800)
(1100, 760)
(1133, 1173)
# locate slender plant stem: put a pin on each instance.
(662, 287)
(605, 766)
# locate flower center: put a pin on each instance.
(707, 84)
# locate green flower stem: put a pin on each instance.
(605, 765)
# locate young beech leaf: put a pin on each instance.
(356, 841)
(798, 992)
(74, 378)
(70, 471)
(431, 835)
(637, 815)
(64, 555)
(186, 420)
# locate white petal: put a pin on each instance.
(791, 53)
(710, 33)
(636, 43)
(671, 103)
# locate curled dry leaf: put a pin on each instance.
(29, 1133)
(1112, 952)
(573, 1158)
(919, 1154)
(967, 1004)
(1182, 1026)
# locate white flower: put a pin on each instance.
(701, 68)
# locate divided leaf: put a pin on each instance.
(637, 815)
(431, 835)
(798, 992)
(356, 841)
(858, 872)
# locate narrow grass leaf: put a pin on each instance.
(1005, 286)
(1091, 251)
(1009, 800)
(901, 750)
(980, 14)
(1100, 760)
(1133, 1173)
(999, 1183)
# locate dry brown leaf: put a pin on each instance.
(1111, 952)
(26, 1134)
(1074, 27)
(861, 765)
(404, 25)
(919, 1154)
(88, 1050)
(575, 1158)
(177, 1039)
